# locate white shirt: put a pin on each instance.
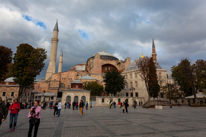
(59, 105)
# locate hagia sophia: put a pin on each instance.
(68, 85)
(93, 69)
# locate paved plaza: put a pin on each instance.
(104, 122)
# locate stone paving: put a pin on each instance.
(104, 122)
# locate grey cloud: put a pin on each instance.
(177, 26)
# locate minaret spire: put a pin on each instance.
(154, 54)
(56, 26)
(52, 62)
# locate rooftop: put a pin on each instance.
(87, 77)
(10, 79)
(77, 81)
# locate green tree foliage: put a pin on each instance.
(173, 92)
(9, 73)
(96, 89)
(190, 77)
(200, 73)
(28, 63)
(114, 81)
(5, 60)
(182, 79)
(154, 87)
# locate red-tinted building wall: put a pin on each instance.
(76, 86)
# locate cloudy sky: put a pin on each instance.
(123, 28)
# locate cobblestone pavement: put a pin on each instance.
(104, 122)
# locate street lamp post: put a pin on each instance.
(170, 95)
(91, 101)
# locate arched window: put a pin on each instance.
(68, 99)
(76, 98)
(83, 99)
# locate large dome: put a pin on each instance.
(133, 65)
(105, 55)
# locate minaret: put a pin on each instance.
(60, 62)
(154, 54)
(52, 63)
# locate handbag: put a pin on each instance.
(33, 120)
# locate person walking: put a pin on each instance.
(59, 108)
(65, 105)
(123, 107)
(134, 104)
(51, 104)
(126, 106)
(69, 105)
(77, 106)
(87, 106)
(73, 105)
(114, 104)
(55, 109)
(81, 105)
(110, 105)
(3, 111)
(178, 103)
(34, 116)
(14, 111)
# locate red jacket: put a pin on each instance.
(14, 106)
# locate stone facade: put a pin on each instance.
(79, 94)
(9, 91)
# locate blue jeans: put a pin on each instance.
(13, 116)
(59, 112)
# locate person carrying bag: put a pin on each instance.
(34, 118)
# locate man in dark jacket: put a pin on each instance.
(3, 111)
(73, 105)
(126, 105)
(55, 109)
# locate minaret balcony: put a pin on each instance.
(55, 39)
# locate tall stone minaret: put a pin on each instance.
(52, 63)
(60, 62)
(154, 54)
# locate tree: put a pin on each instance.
(190, 77)
(173, 92)
(9, 73)
(200, 73)
(5, 60)
(143, 65)
(28, 63)
(154, 87)
(114, 81)
(96, 89)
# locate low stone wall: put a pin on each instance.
(104, 100)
